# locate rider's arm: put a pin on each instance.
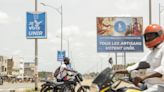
(69, 70)
(160, 69)
(137, 80)
(152, 75)
(158, 72)
(122, 71)
(128, 69)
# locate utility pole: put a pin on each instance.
(159, 13)
(161, 8)
(36, 54)
(62, 31)
(61, 13)
(68, 47)
(150, 21)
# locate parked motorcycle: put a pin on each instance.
(106, 82)
(65, 86)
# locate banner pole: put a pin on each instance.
(36, 55)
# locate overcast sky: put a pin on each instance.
(79, 26)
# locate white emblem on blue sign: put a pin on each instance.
(36, 25)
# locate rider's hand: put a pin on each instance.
(117, 71)
(123, 71)
(137, 80)
(74, 71)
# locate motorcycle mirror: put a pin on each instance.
(143, 65)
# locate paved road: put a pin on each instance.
(6, 87)
(16, 86)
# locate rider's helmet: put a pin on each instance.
(66, 60)
(153, 35)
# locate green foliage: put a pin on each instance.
(42, 74)
(130, 64)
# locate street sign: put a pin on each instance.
(36, 25)
(60, 55)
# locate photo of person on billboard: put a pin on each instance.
(136, 28)
(104, 26)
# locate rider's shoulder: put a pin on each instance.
(63, 65)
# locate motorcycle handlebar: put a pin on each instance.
(130, 79)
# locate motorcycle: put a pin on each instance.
(106, 82)
(50, 86)
(65, 86)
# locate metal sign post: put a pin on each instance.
(150, 10)
(36, 56)
(36, 29)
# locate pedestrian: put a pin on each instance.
(110, 61)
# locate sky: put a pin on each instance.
(79, 26)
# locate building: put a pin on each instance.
(20, 69)
(23, 69)
(29, 68)
(17, 67)
(10, 64)
(3, 65)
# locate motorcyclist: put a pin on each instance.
(154, 36)
(110, 61)
(64, 70)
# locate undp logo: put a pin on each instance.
(120, 26)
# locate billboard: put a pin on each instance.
(36, 25)
(119, 34)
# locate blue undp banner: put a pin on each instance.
(119, 34)
(36, 25)
(60, 55)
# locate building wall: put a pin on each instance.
(21, 69)
(10, 64)
(29, 69)
(3, 65)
